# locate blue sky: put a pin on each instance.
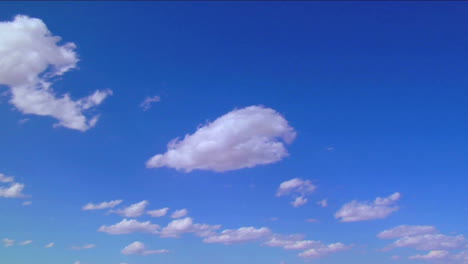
(258, 111)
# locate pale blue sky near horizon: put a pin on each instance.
(376, 92)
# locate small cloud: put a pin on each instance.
(146, 104)
(5, 179)
(185, 225)
(88, 246)
(297, 188)
(179, 213)
(323, 203)
(27, 242)
(100, 206)
(8, 242)
(26, 203)
(130, 226)
(432, 255)
(273, 219)
(14, 189)
(158, 212)
(23, 121)
(330, 148)
(241, 235)
(312, 220)
(51, 244)
(138, 248)
(299, 201)
(134, 210)
(363, 211)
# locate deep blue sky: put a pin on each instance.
(383, 84)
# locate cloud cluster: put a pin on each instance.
(298, 189)
(242, 138)
(30, 57)
(13, 189)
(138, 248)
(100, 206)
(362, 211)
(427, 238)
(311, 249)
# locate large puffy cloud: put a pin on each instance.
(241, 235)
(30, 57)
(242, 138)
(186, 225)
(130, 226)
(297, 188)
(134, 210)
(362, 211)
(100, 206)
(407, 230)
(138, 248)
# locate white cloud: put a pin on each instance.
(242, 138)
(295, 185)
(241, 235)
(134, 210)
(138, 248)
(130, 226)
(88, 246)
(26, 242)
(77, 262)
(4, 178)
(312, 220)
(14, 191)
(158, 212)
(103, 205)
(8, 242)
(146, 104)
(434, 254)
(185, 225)
(299, 201)
(26, 203)
(362, 211)
(297, 188)
(29, 59)
(179, 213)
(311, 248)
(430, 242)
(406, 230)
(323, 203)
(51, 244)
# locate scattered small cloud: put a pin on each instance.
(241, 235)
(26, 203)
(312, 220)
(27, 242)
(8, 242)
(23, 121)
(138, 248)
(407, 230)
(363, 211)
(432, 255)
(242, 138)
(158, 212)
(146, 104)
(134, 210)
(323, 203)
(298, 189)
(178, 227)
(179, 213)
(5, 179)
(102, 205)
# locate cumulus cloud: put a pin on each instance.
(299, 201)
(158, 212)
(430, 242)
(138, 248)
(15, 190)
(310, 248)
(362, 211)
(241, 235)
(434, 254)
(30, 57)
(88, 246)
(134, 210)
(8, 242)
(179, 213)
(130, 226)
(297, 188)
(242, 138)
(26, 242)
(186, 225)
(146, 104)
(51, 244)
(407, 230)
(100, 206)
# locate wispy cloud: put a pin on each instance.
(147, 103)
(179, 213)
(159, 212)
(138, 248)
(362, 211)
(134, 210)
(130, 226)
(88, 246)
(102, 205)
